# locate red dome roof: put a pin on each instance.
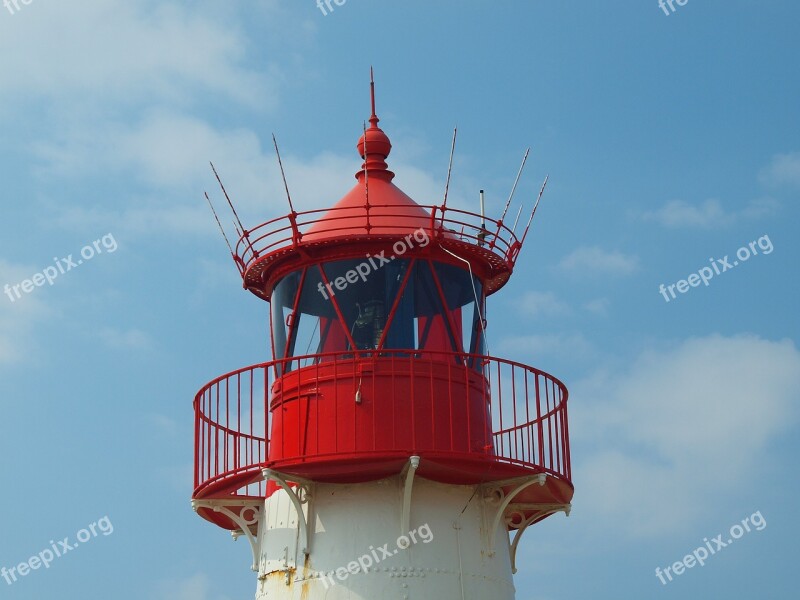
(375, 206)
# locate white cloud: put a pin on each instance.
(542, 304)
(130, 51)
(784, 170)
(598, 306)
(17, 317)
(678, 213)
(681, 430)
(129, 339)
(593, 260)
(708, 214)
(173, 151)
(547, 345)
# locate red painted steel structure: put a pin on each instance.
(394, 374)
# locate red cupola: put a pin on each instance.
(378, 323)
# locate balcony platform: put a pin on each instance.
(359, 417)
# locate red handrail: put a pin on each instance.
(287, 231)
(527, 412)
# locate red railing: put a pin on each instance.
(525, 413)
(288, 231)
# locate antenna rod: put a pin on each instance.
(519, 212)
(483, 212)
(222, 231)
(450, 166)
(283, 174)
(516, 181)
(524, 235)
(372, 89)
(226, 196)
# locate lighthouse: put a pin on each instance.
(382, 452)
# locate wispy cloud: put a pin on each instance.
(598, 306)
(678, 213)
(172, 151)
(593, 260)
(129, 51)
(536, 347)
(673, 435)
(708, 214)
(17, 318)
(124, 339)
(542, 304)
(783, 170)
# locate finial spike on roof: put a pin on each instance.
(374, 117)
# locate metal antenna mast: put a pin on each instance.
(222, 231)
(450, 167)
(516, 181)
(227, 197)
(283, 174)
(524, 235)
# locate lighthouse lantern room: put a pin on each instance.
(382, 453)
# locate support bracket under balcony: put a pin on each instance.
(253, 507)
(407, 479)
(299, 495)
(535, 512)
(506, 499)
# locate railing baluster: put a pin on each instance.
(228, 445)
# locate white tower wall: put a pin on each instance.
(355, 548)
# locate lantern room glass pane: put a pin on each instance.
(434, 312)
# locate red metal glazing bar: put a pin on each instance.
(335, 304)
(400, 293)
(451, 324)
(294, 319)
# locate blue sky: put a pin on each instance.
(669, 140)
